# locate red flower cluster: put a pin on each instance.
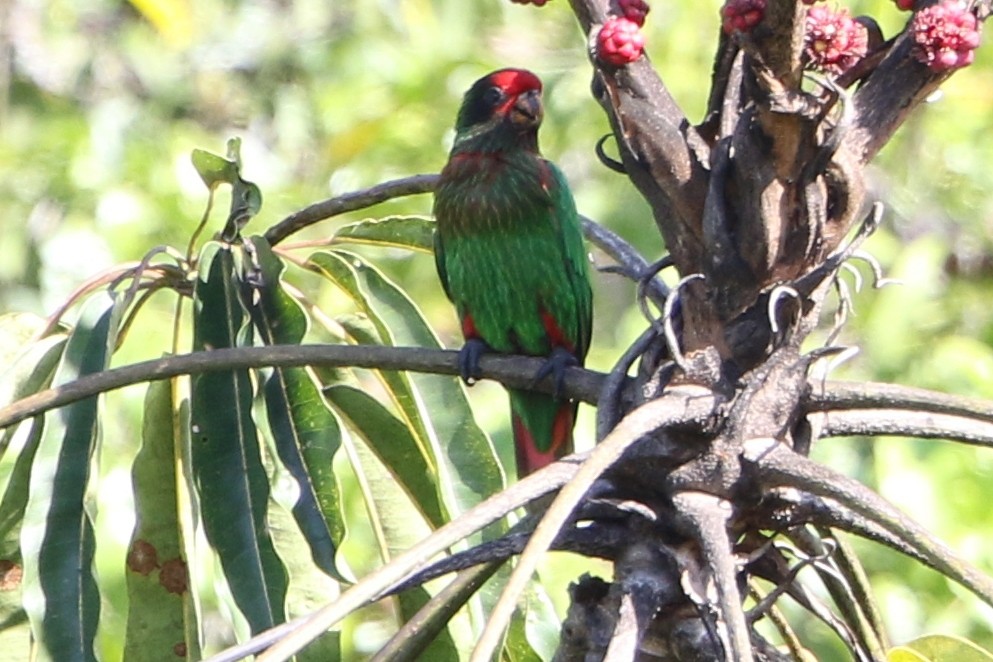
(906, 5)
(619, 41)
(835, 41)
(742, 15)
(945, 35)
(634, 10)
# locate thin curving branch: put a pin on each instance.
(778, 466)
(632, 263)
(354, 201)
(375, 585)
(906, 423)
(513, 371)
(838, 395)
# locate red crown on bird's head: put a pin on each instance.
(515, 81)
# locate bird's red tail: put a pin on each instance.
(540, 440)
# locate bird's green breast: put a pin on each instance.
(511, 251)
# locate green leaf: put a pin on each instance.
(939, 648)
(411, 232)
(435, 407)
(246, 198)
(162, 618)
(310, 588)
(28, 372)
(304, 430)
(904, 654)
(231, 481)
(214, 169)
(393, 444)
(57, 540)
(398, 526)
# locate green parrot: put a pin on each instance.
(509, 251)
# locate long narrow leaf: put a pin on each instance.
(157, 578)
(309, 587)
(57, 536)
(435, 406)
(391, 441)
(231, 481)
(398, 527)
(304, 430)
(28, 372)
(412, 232)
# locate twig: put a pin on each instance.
(904, 423)
(609, 403)
(342, 204)
(631, 261)
(837, 395)
(515, 371)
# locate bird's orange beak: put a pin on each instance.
(527, 110)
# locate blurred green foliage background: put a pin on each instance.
(102, 101)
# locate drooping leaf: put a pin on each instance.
(27, 362)
(304, 430)
(391, 440)
(939, 648)
(231, 481)
(156, 574)
(398, 525)
(309, 586)
(26, 373)
(434, 407)
(57, 540)
(412, 232)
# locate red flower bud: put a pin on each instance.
(742, 15)
(619, 41)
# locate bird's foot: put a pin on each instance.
(469, 356)
(555, 365)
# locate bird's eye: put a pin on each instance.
(493, 96)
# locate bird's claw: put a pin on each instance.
(555, 365)
(469, 357)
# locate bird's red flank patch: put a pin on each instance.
(469, 331)
(556, 336)
(515, 81)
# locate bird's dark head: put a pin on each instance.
(508, 99)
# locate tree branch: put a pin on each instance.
(903, 423)
(512, 371)
(837, 395)
(706, 518)
(634, 265)
(662, 152)
(342, 204)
